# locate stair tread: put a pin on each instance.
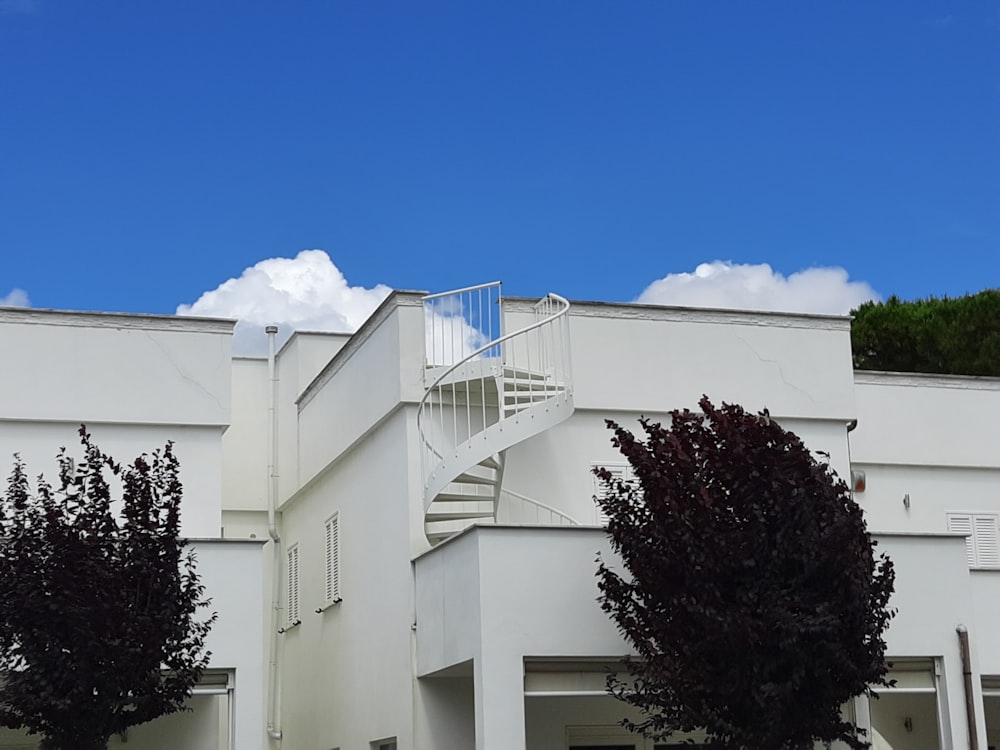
(517, 372)
(462, 497)
(456, 516)
(467, 478)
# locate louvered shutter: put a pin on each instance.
(961, 523)
(984, 531)
(601, 489)
(333, 559)
(293, 585)
(982, 540)
(618, 471)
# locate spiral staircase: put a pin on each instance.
(487, 391)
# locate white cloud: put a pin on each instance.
(16, 298)
(307, 292)
(449, 336)
(759, 287)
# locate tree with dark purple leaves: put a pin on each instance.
(100, 622)
(751, 591)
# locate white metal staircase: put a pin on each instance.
(487, 391)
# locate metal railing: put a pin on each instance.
(517, 508)
(505, 375)
(461, 321)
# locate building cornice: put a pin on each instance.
(134, 321)
(397, 298)
(926, 380)
(638, 311)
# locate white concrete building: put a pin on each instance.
(426, 486)
(137, 382)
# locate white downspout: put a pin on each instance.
(273, 698)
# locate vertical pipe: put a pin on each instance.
(273, 703)
(970, 705)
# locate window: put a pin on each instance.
(386, 744)
(292, 587)
(618, 471)
(982, 541)
(332, 534)
(910, 714)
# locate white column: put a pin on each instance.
(499, 685)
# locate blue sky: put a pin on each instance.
(149, 151)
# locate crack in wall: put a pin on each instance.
(777, 365)
(171, 358)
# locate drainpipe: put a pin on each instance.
(970, 706)
(273, 698)
(852, 425)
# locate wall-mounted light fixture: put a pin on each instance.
(906, 501)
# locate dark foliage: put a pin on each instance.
(958, 335)
(98, 609)
(752, 594)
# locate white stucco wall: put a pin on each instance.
(487, 599)
(381, 367)
(198, 448)
(298, 363)
(641, 358)
(232, 572)
(312, 351)
(232, 575)
(346, 672)
(986, 608)
(98, 367)
(927, 420)
(933, 595)
(554, 467)
(483, 596)
(244, 445)
(485, 590)
(136, 381)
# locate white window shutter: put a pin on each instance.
(293, 585)
(984, 531)
(982, 537)
(961, 523)
(618, 472)
(332, 591)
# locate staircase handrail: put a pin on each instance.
(496, 342)
(539, 504)
(485, 347)
(513, 387)
(473, 288)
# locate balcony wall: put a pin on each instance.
(508, 593)
(522, 590)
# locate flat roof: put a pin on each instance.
(139, 321)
